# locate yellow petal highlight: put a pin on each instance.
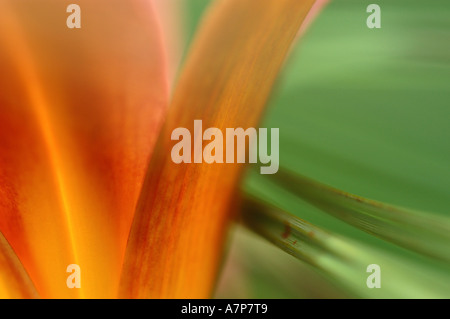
(14, 280)
(178, 231)
(80, 110)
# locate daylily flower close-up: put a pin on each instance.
(93, 204)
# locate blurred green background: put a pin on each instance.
(366, 111)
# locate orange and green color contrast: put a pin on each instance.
(86, 175)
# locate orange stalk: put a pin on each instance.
(181, 220)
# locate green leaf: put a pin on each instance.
(366, 111)
(344, 260)
(423, 232)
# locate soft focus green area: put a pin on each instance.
(255, 268)
(366, 111)
(343, 260)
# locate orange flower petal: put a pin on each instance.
(14, 280)
(80, 110)
(179, 227)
